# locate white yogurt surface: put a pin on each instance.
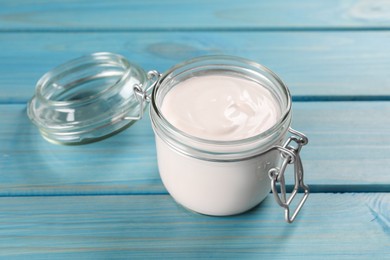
(220, 107)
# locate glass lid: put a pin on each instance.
(89, 98)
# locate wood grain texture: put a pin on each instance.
(348, 151)
(106, 200)
(331, 226)
(126, 162)
(312, 64)
(175, 14)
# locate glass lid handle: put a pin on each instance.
(143, 95)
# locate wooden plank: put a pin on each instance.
(348, 151)
(125, 163)
(331, 226)
(312, 64)
(175, 14)
(349, 144)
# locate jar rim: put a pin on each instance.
(72, 66)
(285, 112)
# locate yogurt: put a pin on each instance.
(220, 107)
(217, 107)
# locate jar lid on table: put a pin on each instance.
(89, 98)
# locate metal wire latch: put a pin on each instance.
(290, 154)
(143, 95)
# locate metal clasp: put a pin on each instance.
(290, 154)
(143, 95)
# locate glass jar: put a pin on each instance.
(95, 96)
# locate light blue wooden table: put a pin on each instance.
(106, 200)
